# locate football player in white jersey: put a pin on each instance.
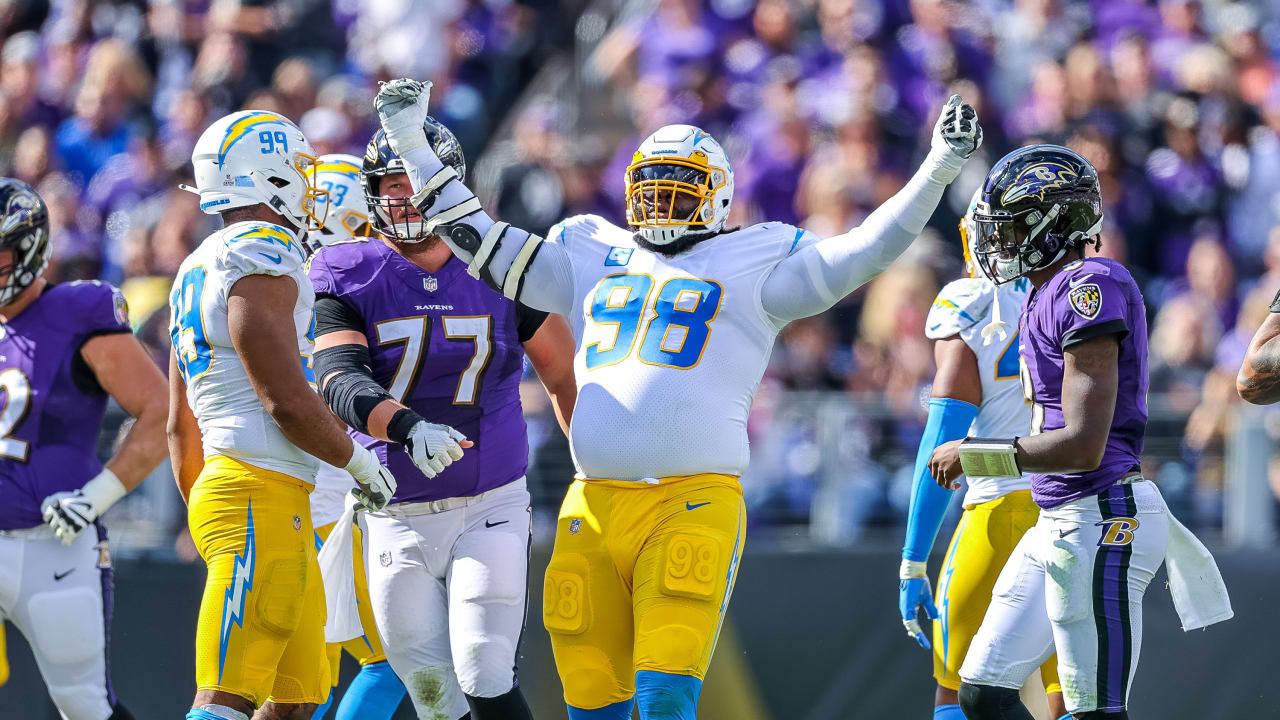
(674, 318)
(246, 426)
(977, 391)
(376, 692)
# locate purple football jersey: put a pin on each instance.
(51, 407)
(445, 345)
(1084, 300)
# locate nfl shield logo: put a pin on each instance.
(1086, 300)
(385, 558)
(430, 284)
(297, 523)
(575, 525)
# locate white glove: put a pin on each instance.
(402, 108)
(433, 447)
(956, 136)
(68, 513)
(377, 484)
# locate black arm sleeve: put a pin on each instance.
(528, 321)
(347, 383)
(1089, 332)
(334, 314)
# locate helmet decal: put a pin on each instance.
(1036, 180)
(241, 127)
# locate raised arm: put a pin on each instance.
(1259, 378)
(816, 277)
(512, 261)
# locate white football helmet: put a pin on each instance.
(345, 212)
(969, 237)
(686, 168)
(256, 157)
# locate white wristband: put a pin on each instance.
(986, 457)
(912, 569)
(362, 462)
(103, 490)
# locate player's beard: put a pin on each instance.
(675, 247)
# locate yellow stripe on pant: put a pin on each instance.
(368, 647)
(260, 633)
(983, 541)
(639, 579)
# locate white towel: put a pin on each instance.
(1199, 595)
(337, 572)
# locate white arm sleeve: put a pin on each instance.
(548, 281)
(816, 277)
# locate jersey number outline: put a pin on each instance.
(1009, 364)
(682, 304)
(415, 333)
(17, 402)
(1037, 410)
(190, 343)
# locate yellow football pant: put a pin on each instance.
(639, 579)
(982, 543)
(367, 648)
(260, 633)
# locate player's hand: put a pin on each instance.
(434, 447)
(376, 482)
(69, 513)
(915, 592)
(957, 129)
(402, 109)
(944, 464)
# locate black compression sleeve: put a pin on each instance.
(347, 383)
(528, 321)
(333, 314)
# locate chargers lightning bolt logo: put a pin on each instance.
(237, 592)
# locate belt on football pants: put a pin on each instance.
(430, 507)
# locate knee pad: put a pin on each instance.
(507, 706)
(280, 594)
(486, 666)
(566, 606)
(664, 696)
(432, 688)
(588, 677)
(67, 626)
(988, 702)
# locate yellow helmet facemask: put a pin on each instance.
(689, 185)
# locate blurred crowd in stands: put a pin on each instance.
(824, 107)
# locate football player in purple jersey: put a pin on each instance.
(1076, 579)
(64, 348)
(406, 339)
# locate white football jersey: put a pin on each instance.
(670, 350)
(963, 308)
(232, 420)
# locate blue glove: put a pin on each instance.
(914, 591)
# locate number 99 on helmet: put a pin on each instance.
(254, 157)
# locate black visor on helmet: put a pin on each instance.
(674, 173)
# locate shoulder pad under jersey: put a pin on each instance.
(959, 306)
(87, 306)
(259, 249)
(341, 267)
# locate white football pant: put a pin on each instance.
(448, 590)
(1075, 583)
(59, 598)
